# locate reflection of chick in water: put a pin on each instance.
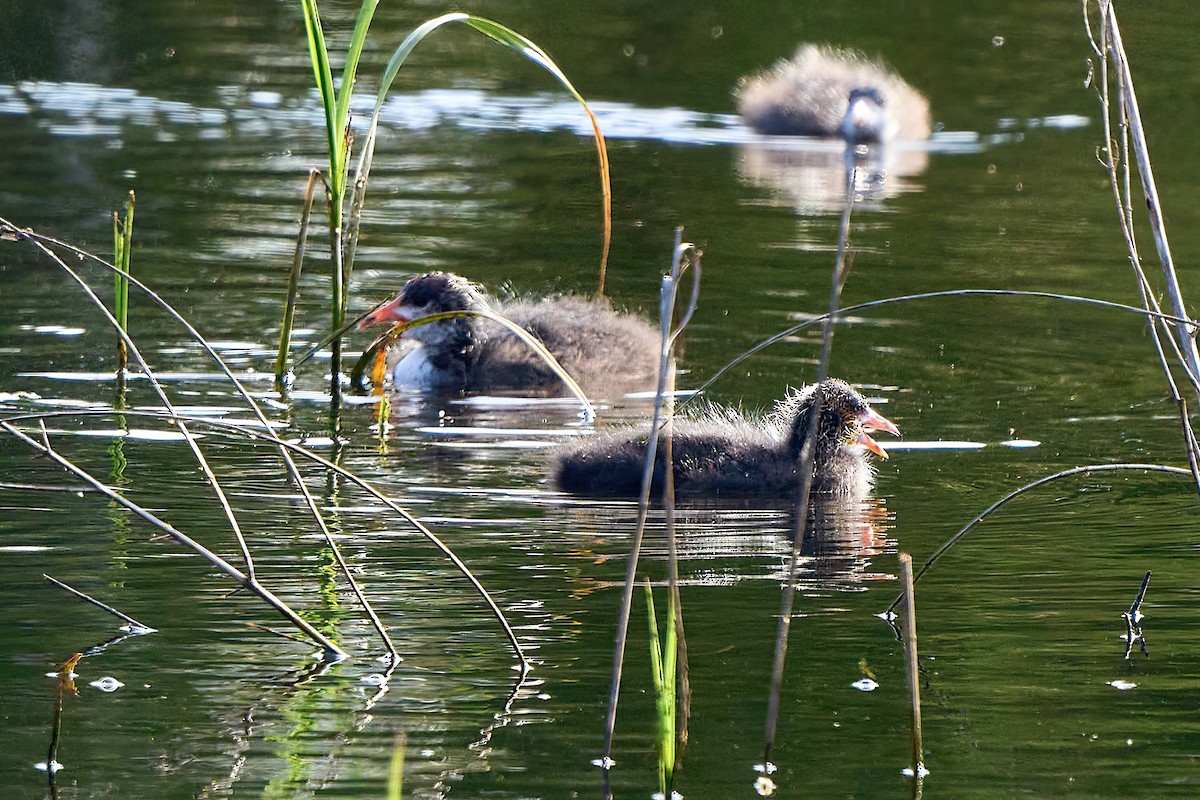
(810, 177)
(841, 537)
(742, 540)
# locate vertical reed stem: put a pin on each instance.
(122, 245)
(909, 626)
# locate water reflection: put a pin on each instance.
(809, 175)
(737, 541)
(217, 139)
(841, 538)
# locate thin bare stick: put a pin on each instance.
(794, 329)
(912, 670)
(1109, 48)
(238, 576)
(1066, 473)
(293, 290)
(134, 625)
(1189, 437)
(207, 470)
(805, 467)
(42, 243)
(670, 286)
(1116, 51)
(269, 437)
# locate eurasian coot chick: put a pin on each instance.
(606, 352)
(833, 92)
(724, 454)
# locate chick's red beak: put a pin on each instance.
(873, 420)
(392, 311)
(866, 441)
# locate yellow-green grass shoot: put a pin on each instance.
(396, 768)
(122, 248)
(336, 104)
(662, 672)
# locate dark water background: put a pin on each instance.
(483, 168)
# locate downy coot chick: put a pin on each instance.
(833, 92)
(724, 454)
(606, 352)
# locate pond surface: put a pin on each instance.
(484, 169)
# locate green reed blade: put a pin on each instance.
(395, 782)
(122, 248)
(524, 47)
(353, 53)
(662, 673)
(319, 55)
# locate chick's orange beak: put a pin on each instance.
(392, 311)
(873, 420)
(866, 441)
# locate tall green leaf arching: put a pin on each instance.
(515, 42)
(335, 101)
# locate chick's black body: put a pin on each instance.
(724, 454)
(608, 353)
(833, 92)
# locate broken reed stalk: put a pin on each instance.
(909, 625)
(1135, 608)
(1133, 620)
(293, 290)
(268, 436)
(805, 469)
(1110, 48)
(134, 625)
(1084, 470)
(683, 256)
(245, 581)
(43, 244)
